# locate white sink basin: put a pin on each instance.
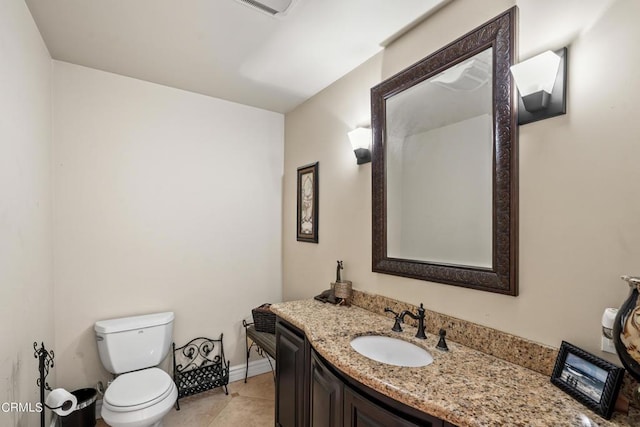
(391, 351)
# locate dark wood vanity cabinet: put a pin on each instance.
(312, 393)
(325, 399)
(291, 367)
(361, 412)
(332, 403)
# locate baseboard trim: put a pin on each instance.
(236, 373)
(256, 367)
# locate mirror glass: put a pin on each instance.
(439, 155)
(444, 164)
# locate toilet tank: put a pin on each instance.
(131, 343)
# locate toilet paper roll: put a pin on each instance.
(61, 402)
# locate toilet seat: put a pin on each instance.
(138, 390)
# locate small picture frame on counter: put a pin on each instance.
(592, 381)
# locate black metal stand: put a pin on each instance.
(45, 362)
(197, 367)
(264, 343)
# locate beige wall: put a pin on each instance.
(26, 289)
(163, 200)
(579, 204)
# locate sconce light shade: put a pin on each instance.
(361, 142)
(541, 81)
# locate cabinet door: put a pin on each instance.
(326, 396)
(290, 369)
(361, 412)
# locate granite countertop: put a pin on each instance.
(463, 386)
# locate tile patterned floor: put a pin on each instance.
(247, 405)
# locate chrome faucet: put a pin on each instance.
(399, 318)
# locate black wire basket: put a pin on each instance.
(264, 319)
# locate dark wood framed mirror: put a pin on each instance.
(444, 164)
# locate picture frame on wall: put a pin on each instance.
(592, 381)
(307, 218)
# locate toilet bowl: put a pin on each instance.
(139, 399)
(132, 347)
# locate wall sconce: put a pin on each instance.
(361, 142)
(541, 81)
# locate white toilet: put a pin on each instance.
(132, 346)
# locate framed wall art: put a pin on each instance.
(307, 221)
(592, 381)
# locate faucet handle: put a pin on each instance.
(442, 343)
(397, 318)
(388, 310)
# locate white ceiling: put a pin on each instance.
(223, 48)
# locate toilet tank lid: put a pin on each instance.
(134, 322)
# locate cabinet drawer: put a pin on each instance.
(359, 411)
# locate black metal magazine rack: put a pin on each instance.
(199, 366)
